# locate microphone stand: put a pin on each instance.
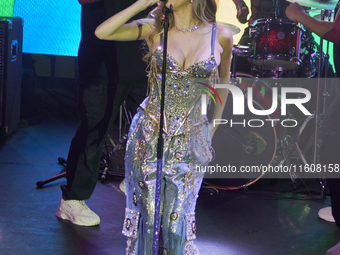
(160, 141)
(323, 65)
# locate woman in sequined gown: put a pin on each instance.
(197, 49)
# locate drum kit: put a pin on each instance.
(274, 55)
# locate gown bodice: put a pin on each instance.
(183, 89)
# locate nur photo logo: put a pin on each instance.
(289, 96)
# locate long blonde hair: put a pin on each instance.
(203, 10)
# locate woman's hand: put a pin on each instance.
(148, 3)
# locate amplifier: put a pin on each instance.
(11, 31)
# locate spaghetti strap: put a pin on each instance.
(213, 34)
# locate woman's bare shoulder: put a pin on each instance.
(223, 31)
(225, 36)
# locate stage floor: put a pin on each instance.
(268, 218)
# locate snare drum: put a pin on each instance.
(276, 44)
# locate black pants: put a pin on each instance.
(330, 154)
(98, 106)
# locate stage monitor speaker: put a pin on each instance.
(10, 73)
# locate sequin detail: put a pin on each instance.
(130, 246)
(130, 223)
(191, 226)
(174, 216)
(141, 184)
(191, 249)
(183, 122)
(140, 153)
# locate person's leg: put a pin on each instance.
(336, 59)
(330, 154)
(97, 110)
(334, 190)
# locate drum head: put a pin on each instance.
(239, 146)
(271, 62)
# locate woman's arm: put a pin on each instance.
(225, 39)
(115, 28)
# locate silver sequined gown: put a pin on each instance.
(186, 145)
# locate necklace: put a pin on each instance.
(188, 30)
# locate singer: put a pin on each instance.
(197, 48)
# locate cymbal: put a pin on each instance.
(319, 4)
(234, 29)
(318, 17)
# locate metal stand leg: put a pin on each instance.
(106, 160)
(123, 134)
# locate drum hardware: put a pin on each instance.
(290, 144)
(323, 63)
(268, 146)
(251, 142)
(330, 17)
(293, 176)
(265, 59)
(326, 15)
(267, 28)
(293, 32)
(254, 34)
(108, 151)
(318, 16)
(233, 64)
(238, 51)
(266, 49)
(247, 146)
(323, 188)
(330, 5)
(318, 4)
(265, 34)
(308, 67)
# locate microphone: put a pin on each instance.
(166, 10)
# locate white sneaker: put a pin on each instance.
(77, 212)
(122, 186)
